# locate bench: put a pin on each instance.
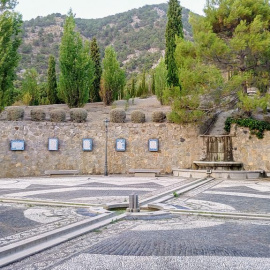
(61, 172)
(145, 172)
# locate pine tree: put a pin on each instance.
(76, 66)
(113, 77)
(235, 36)
(95, 56)
(174, 28)
(10, 40)
(51, 81)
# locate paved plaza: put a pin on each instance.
(149, 240)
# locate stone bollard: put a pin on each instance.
(133, 203)
(208, 173)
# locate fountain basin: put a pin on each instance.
(218, 165)
(237, 175)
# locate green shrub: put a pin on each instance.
(256, 127)
(78, 115)
(15, 113)
(38, 114)
(57, 115)
(117, 116)
(158, 116)
(137, 117)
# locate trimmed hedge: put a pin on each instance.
(38, 114)
(117, 116)
(57, 115)
(15, 113)
(158, 116)
(137, 117)
(78, 115)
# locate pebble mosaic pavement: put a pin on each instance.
(173, 242)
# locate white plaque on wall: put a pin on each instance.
(87, 144)
(120, 145)
(53, 144)
(17, 145)
(153, 145)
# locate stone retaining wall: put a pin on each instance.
(247, 148)
(179, 146)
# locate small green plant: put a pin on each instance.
(126, 105)
(175, 194)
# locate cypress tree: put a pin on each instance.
(51, 80)
(95, 56)
(174, 28)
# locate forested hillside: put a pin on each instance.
(138, 37)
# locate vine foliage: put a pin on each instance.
(256, 127)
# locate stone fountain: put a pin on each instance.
(217, 161)
(217, 154)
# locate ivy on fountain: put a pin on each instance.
(256, 127)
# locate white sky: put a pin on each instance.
(91, 9)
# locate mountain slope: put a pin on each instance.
(138, 37)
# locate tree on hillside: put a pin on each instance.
(142, 90)
(10, 27)
(76, 66)
(153, 84)
(113, 77)
(95, 56)
(133, 88)
(51, 81)
(174, 28)
(235, 36)
(160, 80)
(30, 89)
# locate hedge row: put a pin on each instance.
(79, 115)
(37, 114)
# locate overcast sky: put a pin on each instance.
(91, 9)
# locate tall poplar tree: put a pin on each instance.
(95, 56)
(76, 66)
(113, 77)
(51, 81)
(174, 28)
(160, 80)
(10, 28)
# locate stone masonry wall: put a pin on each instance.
(247, 148)
(179, 146)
